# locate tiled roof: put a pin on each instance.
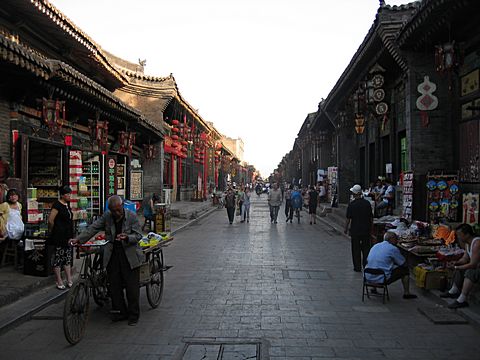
(387, 24)
(70, 29)
(436, 13)
(84, 83)
(20, 55)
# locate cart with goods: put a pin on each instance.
(93, 282)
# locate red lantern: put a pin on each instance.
(174, 137)
(175, 122)
(175, 129)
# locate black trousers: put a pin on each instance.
(230, 213)
(360, 250)
(120, 275)
(288, 209)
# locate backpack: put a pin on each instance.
(296, 200)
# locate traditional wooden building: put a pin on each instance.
(407, 104)
(60, 120)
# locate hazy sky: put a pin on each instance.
(255, 68)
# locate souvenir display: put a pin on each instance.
(431, 185)
(442, 197)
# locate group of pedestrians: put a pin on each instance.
(238, 201)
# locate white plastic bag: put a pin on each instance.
(15, 225)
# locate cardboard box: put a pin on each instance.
(430, 279)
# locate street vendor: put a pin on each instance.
(122, 257)
(467, 269)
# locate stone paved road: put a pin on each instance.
(284, 291)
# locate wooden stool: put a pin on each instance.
(10, 254)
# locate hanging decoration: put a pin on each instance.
(123, 141)
(150, 152)
(446, 58)
(131, 142)
(53, 112)
(359, 124)
(101, 135)
(426, 101)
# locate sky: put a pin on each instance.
(255, 68)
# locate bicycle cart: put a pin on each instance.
(93, 281)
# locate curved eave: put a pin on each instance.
(19, 55)
(58, 20)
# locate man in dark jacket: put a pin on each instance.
(122, 256)
(359, 222)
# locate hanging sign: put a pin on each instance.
(136, 185)
(111, 173)
(426, 101)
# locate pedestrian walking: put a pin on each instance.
(60, 228)
(274, 201)
(246, 205)
(359, 225)
(122, 256)
(312, 204)
(297, 202)
(288, 203)
(230, 204)
(239, 200)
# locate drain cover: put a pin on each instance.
(222, 349)
(442, 316)
(289, 274)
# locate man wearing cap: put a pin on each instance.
(359, 225)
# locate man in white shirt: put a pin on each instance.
(387, 257)
(467, 269)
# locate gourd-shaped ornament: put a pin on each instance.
(426, 101)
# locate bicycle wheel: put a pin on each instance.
(75, 312)
(99, 281)
(155, 286)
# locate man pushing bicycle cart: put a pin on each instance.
(122, 257)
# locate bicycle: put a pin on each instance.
(297, 214)
(93, 280)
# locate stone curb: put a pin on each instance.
(31, 302)
(182, 227)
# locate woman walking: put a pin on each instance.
(288, 203)
(230, 204)
(246, 205)
(312, 204)
(60, 227)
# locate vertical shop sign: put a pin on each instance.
(407, 195)
(136, 185)
(111, 183)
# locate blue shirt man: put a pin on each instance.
(387, 257)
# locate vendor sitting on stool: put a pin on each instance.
(387, 257)
(467, 270)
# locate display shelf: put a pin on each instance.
(45, 186)
(43, 174)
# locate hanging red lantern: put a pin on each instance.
(175, 129)
(175, 122)
(123, 141)
(174, 137)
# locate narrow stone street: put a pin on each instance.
(255, 290)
